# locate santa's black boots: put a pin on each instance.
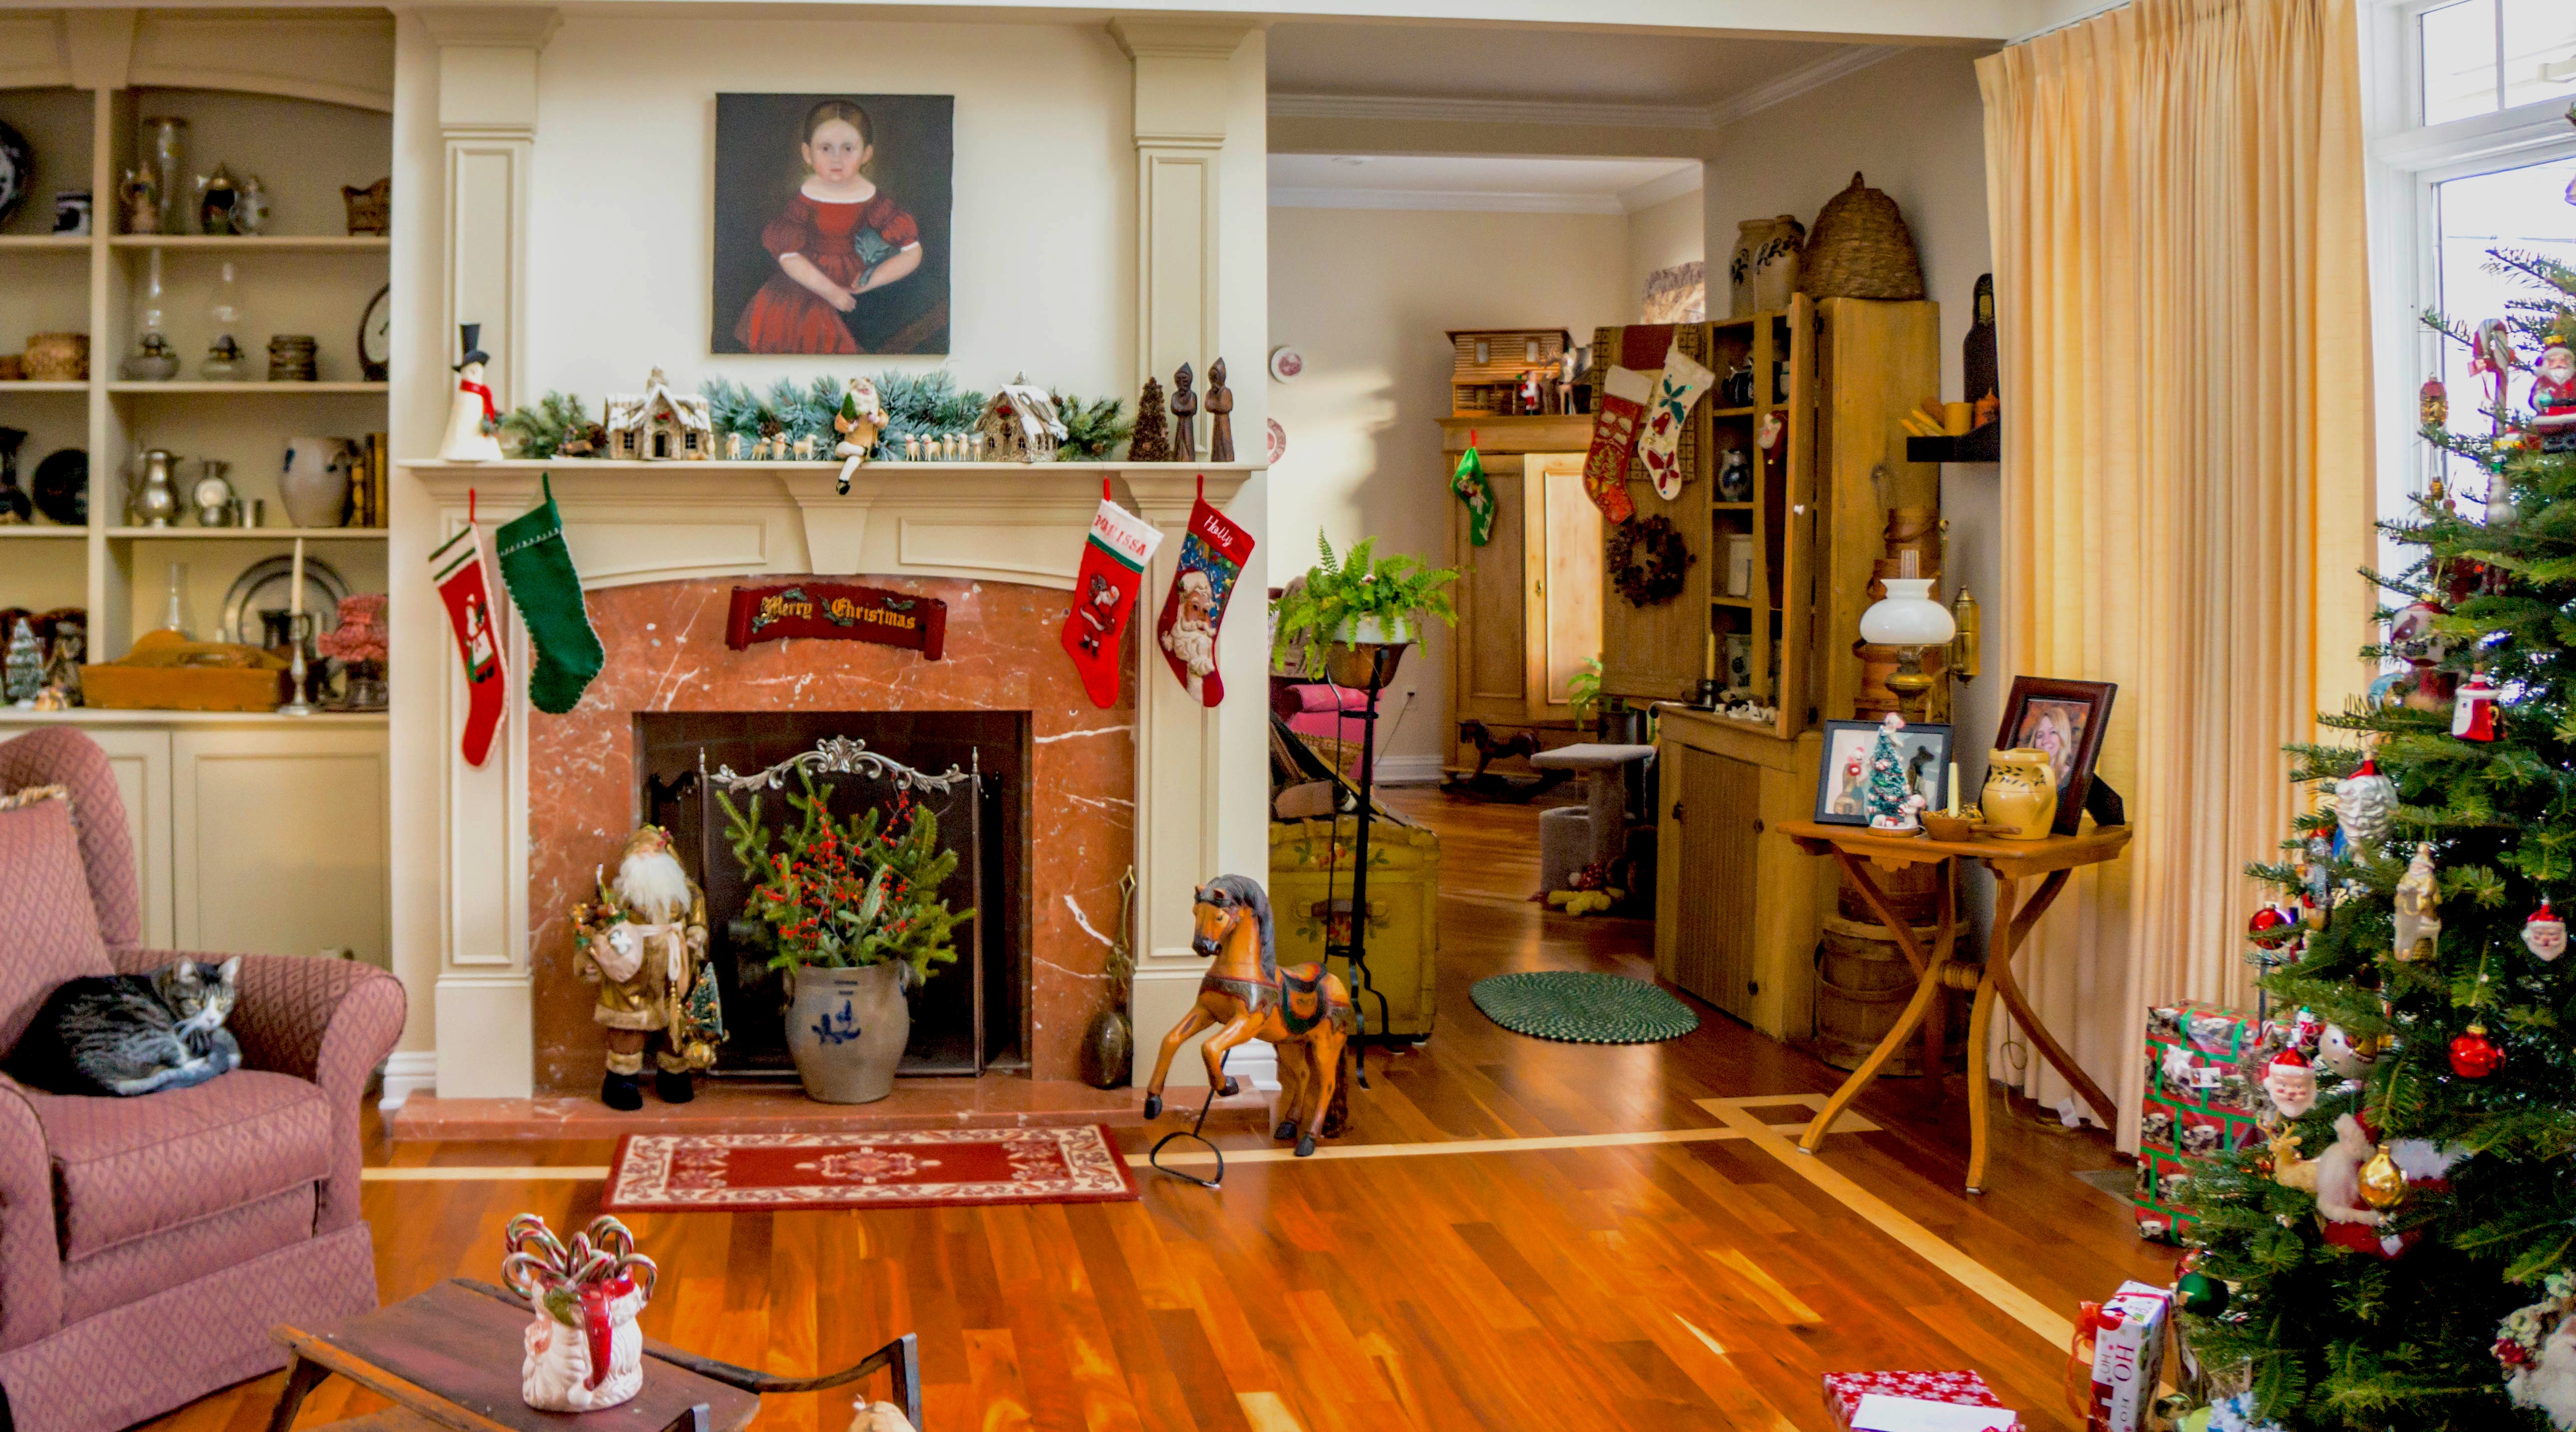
(677, 1088)
(622, 1092)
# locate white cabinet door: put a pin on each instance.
(279, 842)
(141, 760)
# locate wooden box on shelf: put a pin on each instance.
(165, 671)
(1491, 362)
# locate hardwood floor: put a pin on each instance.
(1705, 1280)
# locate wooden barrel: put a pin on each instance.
(1862, 986)
(1914, 891)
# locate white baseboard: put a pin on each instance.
(407, 1072)
(1409, 770)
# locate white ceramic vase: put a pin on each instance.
(554, 1373)
(315, 481)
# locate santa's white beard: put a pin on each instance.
(2550, 1383)
(653, 886)
(1194, 643)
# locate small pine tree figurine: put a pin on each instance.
(1887, 796)
(23, 673)
(1152, 439)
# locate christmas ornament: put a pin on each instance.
(2544, 934)
(2413, 638)
(2366, 804)
(537, 568)
(2433, 404)
(2347, 1057)
(22, 670)
(1213, 552)
(457, 567)
(1468, 481)
(2356, 1184)
(2200, 1295)
(1104, 592)
(2491, 357)
(2473, 713)
(2474, 1055)
(2553, 398)
(2419, 907)
(2536, 1344)
(2292, 1084)
(2268, 919)
(1676, 393)
(2382, 1186)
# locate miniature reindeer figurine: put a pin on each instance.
(1245, 995)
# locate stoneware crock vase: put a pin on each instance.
(1739, 266)
(315, 482)
(846, 1030)
(2020, 801)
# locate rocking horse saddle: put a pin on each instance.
(1298, 994)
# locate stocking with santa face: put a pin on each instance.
(1104, 593)
(1212, 557)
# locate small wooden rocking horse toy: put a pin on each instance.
(1245, 995)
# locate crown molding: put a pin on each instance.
(1482, 201)
(1572, 113)
(1688, 179)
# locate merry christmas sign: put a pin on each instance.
(829, 611)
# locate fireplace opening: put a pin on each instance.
(973, 1014)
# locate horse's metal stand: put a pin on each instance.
(1196, 1131)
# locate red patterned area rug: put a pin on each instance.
(921, 1168)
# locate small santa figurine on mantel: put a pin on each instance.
(473, 422)
(644, 943)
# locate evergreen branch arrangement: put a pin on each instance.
(1092, 431)
(1340, 589)
(541, 431)
(922, 405)
(844, 894)
(2445, 1058)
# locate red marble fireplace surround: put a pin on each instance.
(666, 652)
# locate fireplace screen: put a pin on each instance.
(970, 1015)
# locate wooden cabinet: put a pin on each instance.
(253, 834)
(1529, 599)
(1736, 903)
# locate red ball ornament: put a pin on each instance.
(2473, 1055)
(2268, 919)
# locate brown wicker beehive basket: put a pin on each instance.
(1859, 247)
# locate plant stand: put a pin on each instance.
(1380, 668)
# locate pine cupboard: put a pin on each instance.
(1529, 600)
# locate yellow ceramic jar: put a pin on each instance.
(2020, 801)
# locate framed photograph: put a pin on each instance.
(1923, 763)
(831, 225)
(2063, 719)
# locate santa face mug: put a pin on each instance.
(582, 1351)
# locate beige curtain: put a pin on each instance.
(2175, 191)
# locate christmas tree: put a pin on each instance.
(2401, 1242)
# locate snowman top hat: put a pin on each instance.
(469, 336)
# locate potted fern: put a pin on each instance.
(1354, 613)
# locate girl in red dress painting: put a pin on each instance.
(838, 238)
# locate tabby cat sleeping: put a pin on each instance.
(132, 1034)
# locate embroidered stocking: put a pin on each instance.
(537, 568)
(1104, 593)
(1212, 556)
(457, 567)
(1618, 412)
(1659, 446)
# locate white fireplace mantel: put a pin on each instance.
(634, 522)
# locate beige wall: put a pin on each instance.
(1366, 296)
(1665, 234)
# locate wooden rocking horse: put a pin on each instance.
(1304, 1010)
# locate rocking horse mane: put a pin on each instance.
(1245, 890)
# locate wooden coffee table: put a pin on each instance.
(449, 1359)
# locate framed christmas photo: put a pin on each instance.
(2063, 720)
(1852, 784)
(831, 224)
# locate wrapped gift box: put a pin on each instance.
(2204, 1093)
(1844, 1390)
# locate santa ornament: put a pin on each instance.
(2365, 805)
(457, 566)
(2419, 908)
(2291, 1082)
(2357, 1183)
(1104, 593)
(2536, 1344)
(1213, 552)
(2544, 934)
(582, 1351)
(2473, 710)
(473, 421)
(2553, 398)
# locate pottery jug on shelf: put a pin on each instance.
(1739, 266)
(152, 499)
(315, 481)
(2020, 801)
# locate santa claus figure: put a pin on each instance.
(2292, 1084)
(1192, 639)
(645, 944)
(2553, 398)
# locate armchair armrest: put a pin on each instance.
(31, 1257)
(329, 1021)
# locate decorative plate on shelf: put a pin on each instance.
(264, 586)
(17, 168)
(61, 488)
(375, 336)
(1286, 362)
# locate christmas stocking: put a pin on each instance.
(1659, 446)
(1618, 412)
(1469, 483)
(537, 567)
(1212, 556)
(1104, 592)
(457, 567)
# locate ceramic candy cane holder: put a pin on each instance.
(583, 1350)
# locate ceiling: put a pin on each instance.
(1688, 75)
(1491, 183)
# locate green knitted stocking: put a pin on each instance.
(537, 568)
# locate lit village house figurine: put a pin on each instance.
(645, 945)
(1019, 424)
(658, 425)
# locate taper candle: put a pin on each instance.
(295, 595)
(1954, 788)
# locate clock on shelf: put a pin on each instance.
(375, 336)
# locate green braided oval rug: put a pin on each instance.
(1583, 1007)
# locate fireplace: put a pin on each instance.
(971, 1016)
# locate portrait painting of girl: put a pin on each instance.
(832, 223)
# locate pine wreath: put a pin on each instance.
(1648, 560)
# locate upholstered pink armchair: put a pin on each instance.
(148, 1244)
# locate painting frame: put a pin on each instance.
(2037, 699)
(886, 238)
(1933, 746)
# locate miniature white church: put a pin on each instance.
(1019, 424)
(658, 425)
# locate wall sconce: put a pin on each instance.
(1963, 647)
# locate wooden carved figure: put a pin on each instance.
(1220, 407)
(1185, 417)
(1245, 995)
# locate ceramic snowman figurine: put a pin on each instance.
(582, 1350)
(473, 423)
